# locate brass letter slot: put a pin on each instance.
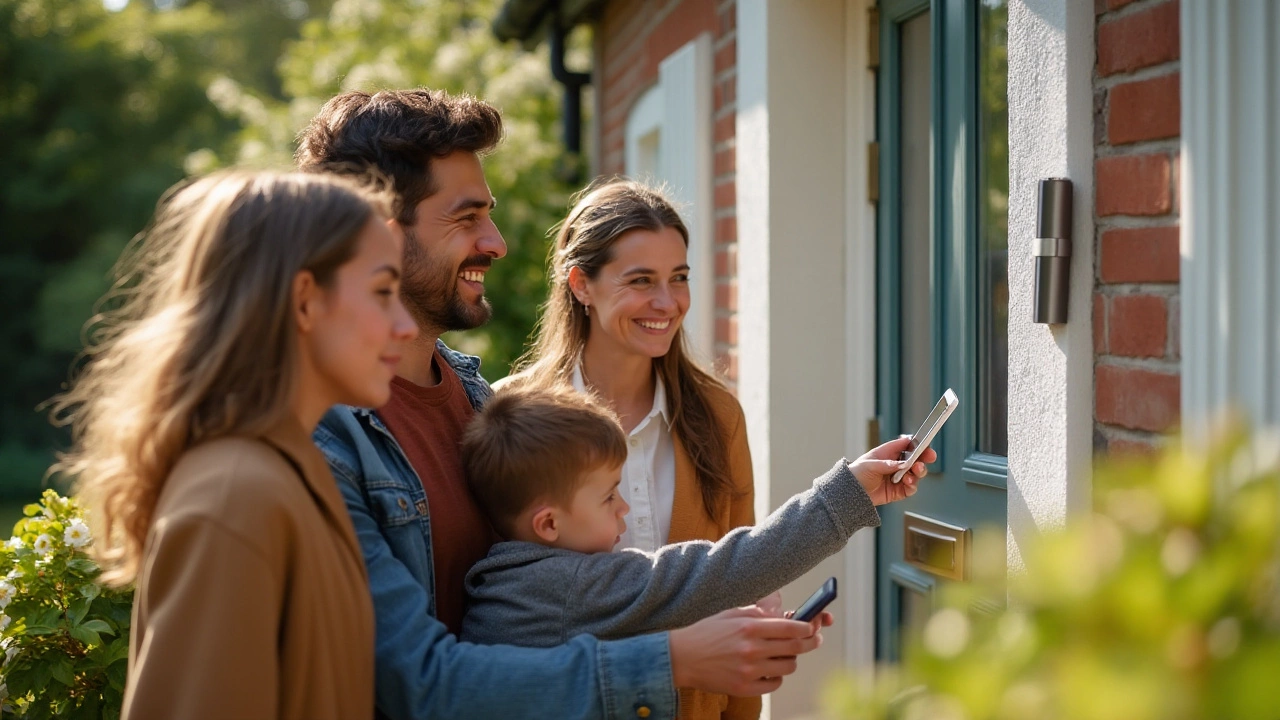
(936, 547)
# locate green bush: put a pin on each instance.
(1163, 604)
(65, 637)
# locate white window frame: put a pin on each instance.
(677, 110)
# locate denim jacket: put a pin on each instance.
(422, 671)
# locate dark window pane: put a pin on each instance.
(916, 279)
(993, 228)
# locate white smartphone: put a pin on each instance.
(928, 429)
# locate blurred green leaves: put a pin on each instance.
(1162, 604)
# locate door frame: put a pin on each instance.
(859, 618)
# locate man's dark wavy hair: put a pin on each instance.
(399, 132)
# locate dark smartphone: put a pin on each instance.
(821, 598)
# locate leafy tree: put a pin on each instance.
(98, 112)
(442, 44)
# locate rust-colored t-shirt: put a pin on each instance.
(428, 422)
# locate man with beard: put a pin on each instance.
(400, 468)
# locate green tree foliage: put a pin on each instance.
(101, 111)
(442, 44)
(98, 112)
(1162, 605)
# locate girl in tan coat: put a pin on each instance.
(252, 304)
(612, 327)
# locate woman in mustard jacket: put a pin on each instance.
(253, 303)
(612, 326)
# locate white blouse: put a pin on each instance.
(649, 474)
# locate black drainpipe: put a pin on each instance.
(572, 106)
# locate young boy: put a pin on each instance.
(544, 464)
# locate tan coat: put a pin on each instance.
(252, 601)
(691, 521)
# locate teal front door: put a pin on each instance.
(942, 300)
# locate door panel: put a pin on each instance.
(941, 297)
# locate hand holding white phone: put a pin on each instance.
(928, 429)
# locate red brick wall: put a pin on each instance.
(1135, 301)
(631, 38)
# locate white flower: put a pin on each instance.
(7, 591)
(4, 625)
(77, 535)
(15, 573)
(15, 543)
(44, 544)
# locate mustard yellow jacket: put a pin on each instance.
(690, 520)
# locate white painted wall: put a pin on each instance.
(804, 382)
(1051, 59)
(858, 620)
(1230, 212)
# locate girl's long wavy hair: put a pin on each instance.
(602, 215)
(196, 339)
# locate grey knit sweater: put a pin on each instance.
(536, 596)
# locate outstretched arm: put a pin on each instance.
(633, 593)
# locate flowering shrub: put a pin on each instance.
(65, 637)
(1163, 604)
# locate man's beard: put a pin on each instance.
(430, 291)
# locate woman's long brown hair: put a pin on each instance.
(201, 341)
(585, 240)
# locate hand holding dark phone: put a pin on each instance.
(818, 601)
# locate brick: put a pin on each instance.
(683, 23)
(1137, 326)
(1101, 6)
(1136, 398)
(727, 262)
(1140, 255)
(1145, 110)
(1133, 185)
(1099, 324)
(726, 92)
(1175, 328)
(727, 295)
(1140, 40)
(726, 161)
(727, 330)
(728, 20)
(726, 195)
(726, 57)
(725, 128)
(727, 230)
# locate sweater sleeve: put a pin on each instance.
(629, 593)
(209, 605)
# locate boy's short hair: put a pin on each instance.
(533, 442)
